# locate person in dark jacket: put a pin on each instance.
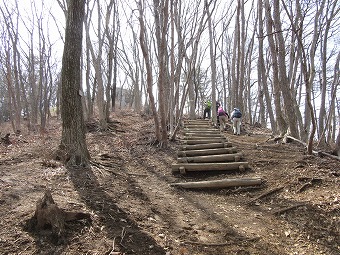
(207, 110)
(236, 117)
(217, 106)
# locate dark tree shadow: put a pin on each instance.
(111, 216)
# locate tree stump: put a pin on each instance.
(48, 216)
(6, 140)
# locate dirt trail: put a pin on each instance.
(136, 211)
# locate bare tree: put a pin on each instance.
(112, 38)
(73, 144)
(308, 66)
(212, 59)
(10, 67)
(282, 125)
(237, 64)
(262, 78)
(149, 79)
(333, 10)
(161, 20)
(290, 114)
(97, 61)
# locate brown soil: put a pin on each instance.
(134, 209)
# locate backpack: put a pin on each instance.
(237, 113)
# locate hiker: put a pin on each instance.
(217, 107)
(207, 109)
(222, 116)
(236, 116)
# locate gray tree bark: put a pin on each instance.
(73, 148)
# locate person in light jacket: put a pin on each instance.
(236, 116)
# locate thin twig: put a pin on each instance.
(266, 194)
(287, 209)
(122, 235)
(304, 186)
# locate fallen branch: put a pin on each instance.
(275, 139)
(309, 179)
(102, 166)
(317, 153)
(310, 182)
(287, 209)
(304, 186)
(245, 189)
(266, 194)
(328, 155)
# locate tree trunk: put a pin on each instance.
(289, 103)
(282, 125)
(161, 20)
(97, 64)
(212, 63)
(336, 151)
(323, 120)
(241, 60)
(73, 146)
(148, 70)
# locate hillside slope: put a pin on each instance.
(134, 209)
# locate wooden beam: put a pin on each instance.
(217, 151)
(210, 166)
(200, 129)
(201, 141)
(212, 158)
(196, 121)
(224, 183)
(201, 134)
(198, 137)
(200, 126)
(205, 146)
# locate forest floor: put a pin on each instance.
(135, 210)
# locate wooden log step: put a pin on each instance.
(224, 183)
(200, 130)
(204, 141)
(196, 120)
(202, 134)
(205, 146)
(197, 126)
(189, 167)
(216, 151)
(212, 158)
(197, 123)
(198, 137)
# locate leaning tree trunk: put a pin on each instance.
(73, 144)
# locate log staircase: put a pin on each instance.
(205, 148)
